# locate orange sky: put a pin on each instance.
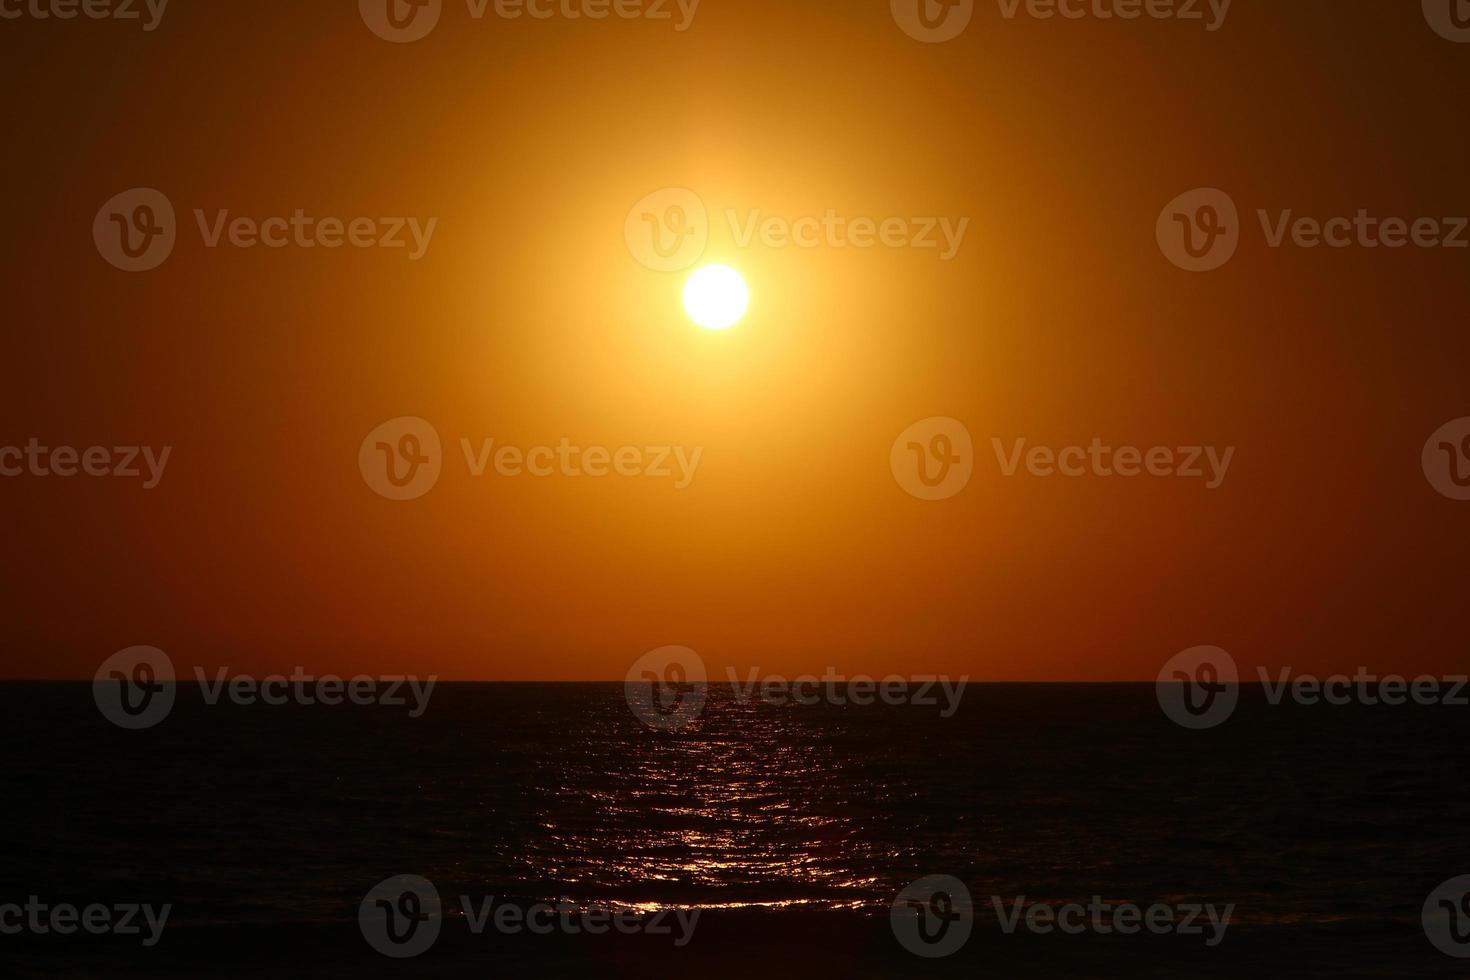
(528, 321)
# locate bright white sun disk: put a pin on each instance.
(716, 297)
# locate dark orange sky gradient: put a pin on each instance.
(528, 321)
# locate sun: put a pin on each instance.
(716, 297)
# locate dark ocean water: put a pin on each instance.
(1318, 823)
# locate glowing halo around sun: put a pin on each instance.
(716, 297)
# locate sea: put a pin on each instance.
(793, 829)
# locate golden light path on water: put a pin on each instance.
(744, 810)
